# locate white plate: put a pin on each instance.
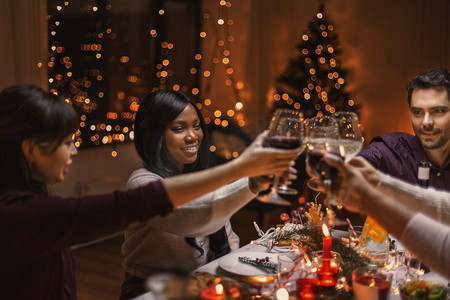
(232, 264)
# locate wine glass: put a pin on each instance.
(349, 134)
(346, 131)
(323, 138)
(286, 130)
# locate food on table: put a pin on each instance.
(419, 289)
(307, 212)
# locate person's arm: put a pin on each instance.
(431, 202)
(202, 216)
(358, 195)
(429, 240)
(254, 161)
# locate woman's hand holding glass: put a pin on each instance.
(276, 161)
(286, 131)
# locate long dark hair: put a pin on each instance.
(156, 111)
(28, 112)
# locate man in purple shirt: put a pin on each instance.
(399, 154)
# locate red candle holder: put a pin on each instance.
(307, 288)
(217, 292)
(327, 276)
(327, 268)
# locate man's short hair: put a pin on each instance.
(432, 78)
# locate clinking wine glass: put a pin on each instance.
(286, 130)
(349, 134)
(322, 139)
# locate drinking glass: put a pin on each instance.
(355, 241)
(322, 139)
(287, 131)
(349, 134)
(374, 242)
(327, 268)
(371, 283)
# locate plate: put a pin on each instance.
(231, 263)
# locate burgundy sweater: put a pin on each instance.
(36, 232)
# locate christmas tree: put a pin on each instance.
(314, 81)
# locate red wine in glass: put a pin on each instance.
(318, 165)
(284, 142)
(382, 284)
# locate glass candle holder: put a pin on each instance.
(327, 268)
(289, 268)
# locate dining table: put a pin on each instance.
(219, 268)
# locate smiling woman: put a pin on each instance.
(38, 229)
(184, 136)
(171, 138)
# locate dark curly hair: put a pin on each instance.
(433, 78)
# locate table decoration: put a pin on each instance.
(218, 292)
(328, 268)
(263, 264)
(354, 234)
(307, 288)
(289, 269)
(245, 264)
(174, 286)
(326, 252)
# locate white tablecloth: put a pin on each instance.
(213, 268)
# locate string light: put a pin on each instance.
(321, 84)
(85, 89)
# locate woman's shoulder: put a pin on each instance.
(141, 177)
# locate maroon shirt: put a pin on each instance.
(36, 232)
(399, 154)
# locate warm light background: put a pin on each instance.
(385, 43)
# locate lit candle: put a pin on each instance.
(217, 293)
(326, 255)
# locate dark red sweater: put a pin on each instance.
(36, 232)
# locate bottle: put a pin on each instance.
(423, 173)
(374, 242)
(422, 176)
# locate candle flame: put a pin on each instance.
(219, 288)
(282, 294)
(372, 283)
(325, 230)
